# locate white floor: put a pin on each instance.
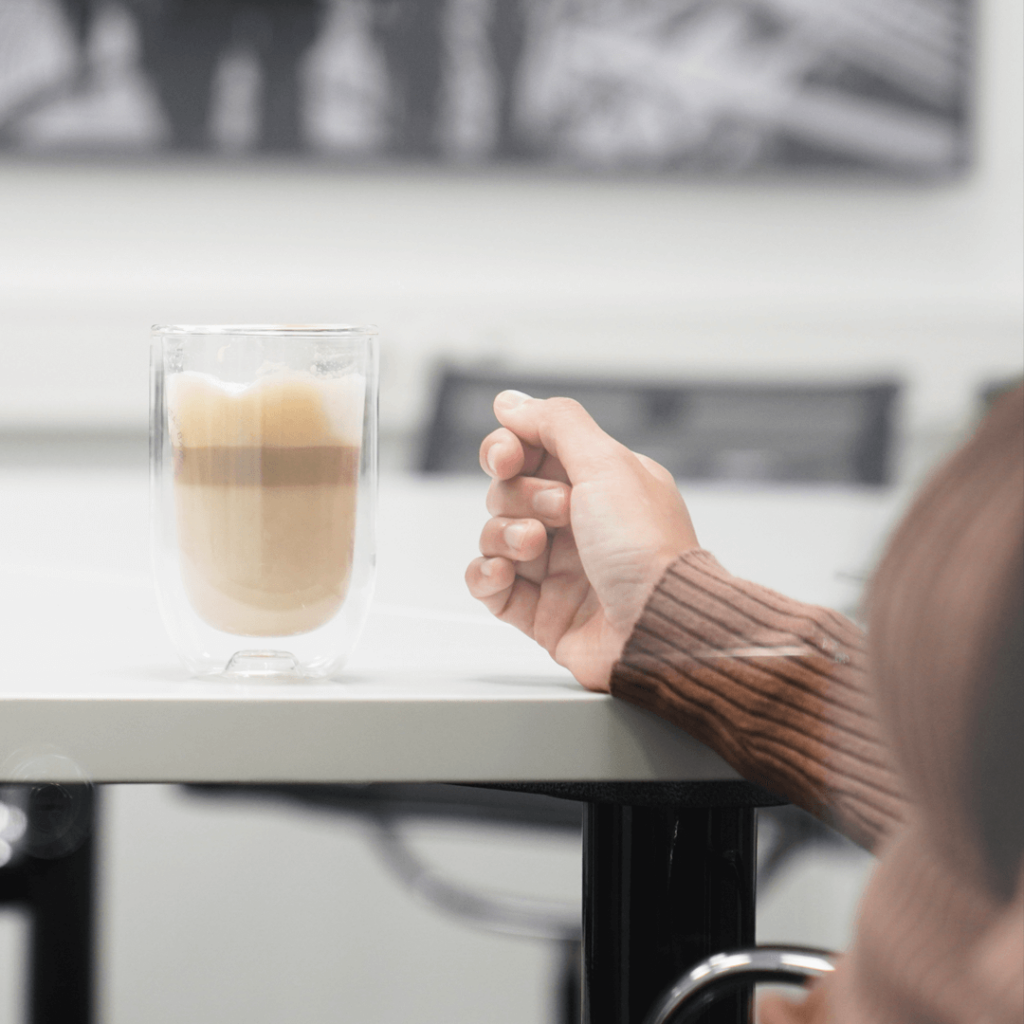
(217, 912)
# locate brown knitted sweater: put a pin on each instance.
(904, 743)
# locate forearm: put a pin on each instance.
(777, 687)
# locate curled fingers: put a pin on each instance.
(530, 497)
(511, 598)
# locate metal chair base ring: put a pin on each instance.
(700, 986)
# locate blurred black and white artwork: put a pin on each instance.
(700, 86)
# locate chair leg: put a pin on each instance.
(663, 888)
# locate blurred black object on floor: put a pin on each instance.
(741, 431)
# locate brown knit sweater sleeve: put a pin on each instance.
(777, 687)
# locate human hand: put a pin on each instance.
(581, 531)
(778, 1009)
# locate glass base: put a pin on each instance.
(262, 665)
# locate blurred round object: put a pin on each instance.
(47, 805)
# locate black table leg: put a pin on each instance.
(62, 897)
(663, 887)
(55, 885)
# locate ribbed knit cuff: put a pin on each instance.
(775, 686)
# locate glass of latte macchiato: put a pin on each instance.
(263, 455)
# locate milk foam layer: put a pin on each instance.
(286, 409)
(265, 490)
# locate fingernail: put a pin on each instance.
(487, 567)
(492, 460)
(550, 502)
(516, 534)
(511, 399)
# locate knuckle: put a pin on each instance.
(563, 406)
(656, 469)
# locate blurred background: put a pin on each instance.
(698, 216)
(729, 85)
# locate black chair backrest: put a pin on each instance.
(820, 433)
(991, 392)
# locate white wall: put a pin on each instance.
(790, 278)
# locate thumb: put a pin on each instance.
(562, 428)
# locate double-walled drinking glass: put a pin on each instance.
(263, 455)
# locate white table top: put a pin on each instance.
(435, 691)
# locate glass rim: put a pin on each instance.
(264, 330)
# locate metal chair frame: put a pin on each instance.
(723, 973)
